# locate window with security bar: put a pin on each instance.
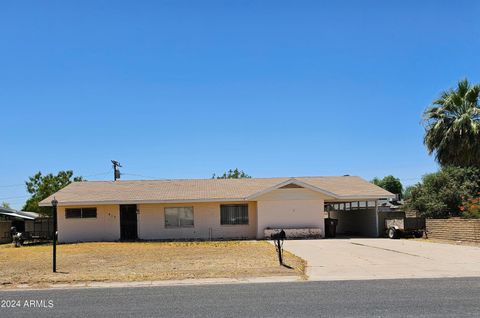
(233, 214)
(80, 213)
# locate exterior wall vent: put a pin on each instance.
(291, 186)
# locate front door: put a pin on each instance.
(128, 222)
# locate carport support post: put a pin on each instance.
(54, 204)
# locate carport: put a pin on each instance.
(357, 218)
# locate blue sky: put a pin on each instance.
(183, 89)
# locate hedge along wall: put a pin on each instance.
(454, 229)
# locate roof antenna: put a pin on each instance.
(116, 171)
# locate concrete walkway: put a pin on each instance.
(355, 259)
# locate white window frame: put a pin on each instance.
(179, 223)
(81, 213)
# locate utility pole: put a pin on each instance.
(116, 171)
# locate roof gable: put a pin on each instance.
(291, 181)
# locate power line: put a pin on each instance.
(16, 200)
(7, 198)
(97, 174)
(139, 175)
(12, 185)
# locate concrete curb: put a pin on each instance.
(185, 282)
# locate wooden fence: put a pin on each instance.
(456, 229)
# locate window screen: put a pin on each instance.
(89, 213)
(233, 214)
(81, 213)
(179, 217)
(73, 213)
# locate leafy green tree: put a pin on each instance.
(5, 205)
(41, 186)
(232, 174)
(452, 126)
(389, 183)
(407, 193)
(442, 194)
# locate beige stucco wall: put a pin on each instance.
(290, 208)
(151, 222)
(281, 208)
(106, 227)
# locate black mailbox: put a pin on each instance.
(279, 235)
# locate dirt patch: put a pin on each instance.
(142, 261)
(452, 242)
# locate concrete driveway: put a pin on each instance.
(358, 258)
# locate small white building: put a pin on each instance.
(215, 208)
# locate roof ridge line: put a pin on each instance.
(193, 179)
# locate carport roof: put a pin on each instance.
(19, 214)
(208, 190)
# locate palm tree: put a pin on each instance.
(452, 126)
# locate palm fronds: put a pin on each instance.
(452, 126)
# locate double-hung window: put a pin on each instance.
(179, 217)
(81, 213)
(233, 214)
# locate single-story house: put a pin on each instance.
(214, 208)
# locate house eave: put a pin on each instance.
(361, 197)
(250, 198)
(120, 202)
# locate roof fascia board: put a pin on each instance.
(362, 197)
(119, 202)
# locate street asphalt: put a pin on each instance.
(444, 297)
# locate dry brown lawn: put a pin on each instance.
(141, 261)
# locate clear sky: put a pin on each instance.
(183, 89)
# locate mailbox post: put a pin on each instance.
(278, 239)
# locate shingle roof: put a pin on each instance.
(157, 191)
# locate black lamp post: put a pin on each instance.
(54, 204)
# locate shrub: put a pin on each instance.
(441, 194)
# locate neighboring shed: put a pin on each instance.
(29, 222)
(18, 218)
